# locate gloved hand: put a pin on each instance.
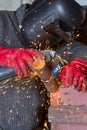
(75, 74)
(19, 59)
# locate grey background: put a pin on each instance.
(13, 4)
(82, 2)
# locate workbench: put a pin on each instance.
(68, 110)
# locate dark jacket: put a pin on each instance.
(23, 103)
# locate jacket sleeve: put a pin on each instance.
(10, 30)
(76, 50)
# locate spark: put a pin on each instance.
(50, 3)
(77, 35)
(38, 35)
(20, 26)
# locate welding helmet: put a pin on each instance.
(47, 22)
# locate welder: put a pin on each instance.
(24, 35)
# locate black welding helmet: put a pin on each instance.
(48, 21)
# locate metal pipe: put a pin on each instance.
(45, 74)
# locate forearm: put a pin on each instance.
(76, 50)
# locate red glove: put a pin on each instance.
(75, 74)
(19, 59)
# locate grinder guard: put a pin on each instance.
(47, 17)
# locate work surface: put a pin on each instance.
(68, 110)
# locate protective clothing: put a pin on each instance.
(19, 59)
(75, 74)
(40, 29)
(80, 33)
(23, 102)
